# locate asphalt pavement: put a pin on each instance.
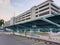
(16, 40)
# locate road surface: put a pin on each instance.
(15, 40)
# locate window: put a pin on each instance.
(36, 15)
(44, 9)
(37, 9)
(54, 6)
(43, 6)
(36, 12)
(44, 13)
(27, 15)
(54, 9)
(18, 21)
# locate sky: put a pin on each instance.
(9, 8)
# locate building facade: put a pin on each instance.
(37, 15)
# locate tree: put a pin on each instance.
(1, 22)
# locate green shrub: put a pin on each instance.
(41, 33)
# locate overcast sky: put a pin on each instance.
(9, 7)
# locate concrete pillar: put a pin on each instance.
(25, 32)
(50, 34)
(50, 7)
(31, 32)
(51, 30)
(38, 30)
(17, 30)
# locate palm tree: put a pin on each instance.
(1, 22)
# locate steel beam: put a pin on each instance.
(49, 21)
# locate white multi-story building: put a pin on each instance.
(43, 10)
